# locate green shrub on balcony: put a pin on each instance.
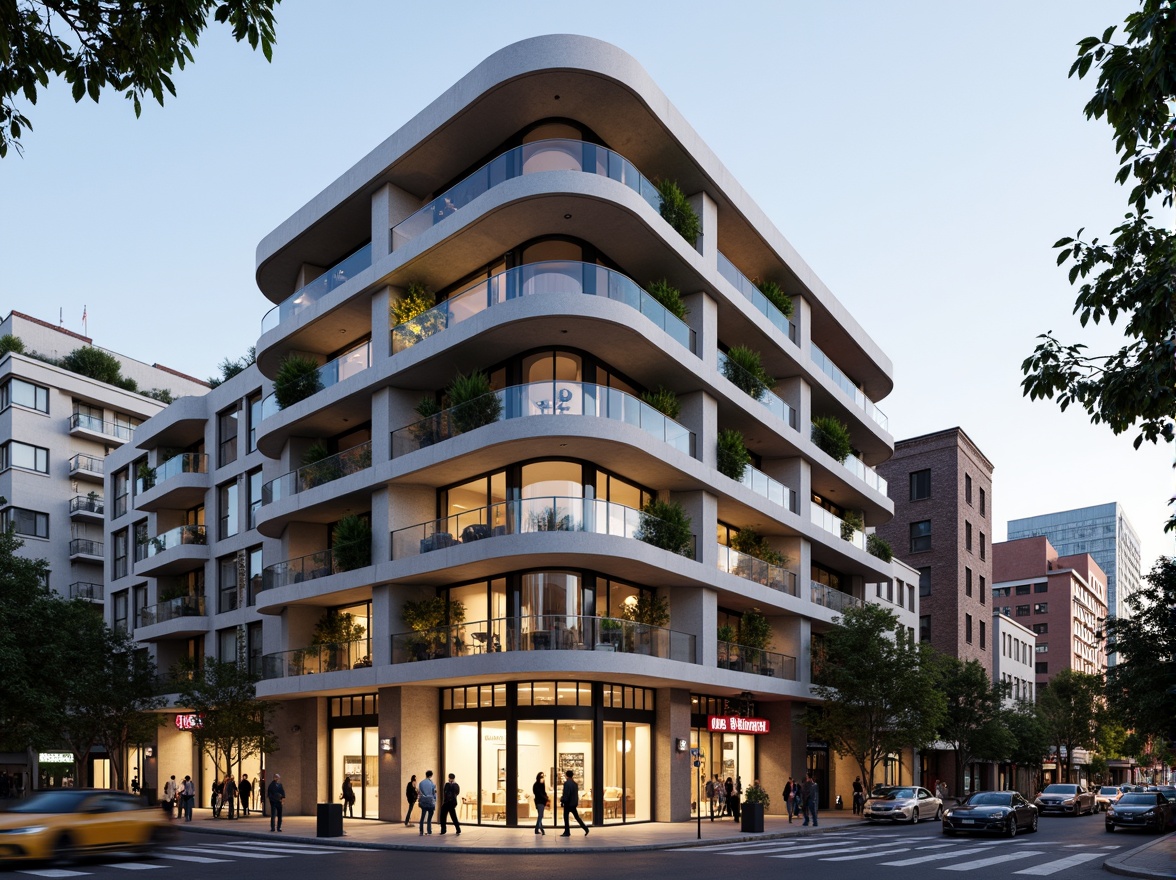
(318, 466)
(298, 378)
(416, 301)
(428, 431)
(665, 524)
(832, 437)
(473, 403)
(879, 547)
(669, 296)
(334, 628)
(8, 343)
(853, 521)
(351, 543)
(733, 457)
(428, 620)
(676, 210)
(744, 370)
(776, 296)
(664, 401)
(755, 630)
(650, 609)
(749, 542)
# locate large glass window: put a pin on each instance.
(355, 755)
(920, 484)
(24, 455)
(227, 506)
(254, 573)
(255, 484)
(226, 432)
(121, 489)
(24, 393)
(921, 536)
(253, 402)
(29, 523)
(226, 583)
(120, 554)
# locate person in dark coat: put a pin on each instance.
(245, 793)
(570, 800)
(539, 790)
(449, 793)
(410, 794)
(276, 794)
(348, 797)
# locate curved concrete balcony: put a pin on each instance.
(755, 661)
(306, 580)
(180, 483)
(317, 659)
(181, 549)
(331, 373)
(307, 295)
(180, 425)
(756, 570)
(181, 617)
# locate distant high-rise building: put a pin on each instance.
(1105, 533)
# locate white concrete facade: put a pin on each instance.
(522, 199)
(1013, 654)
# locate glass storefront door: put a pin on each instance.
(355, 752)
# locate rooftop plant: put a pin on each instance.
(664, 401)
(879, 547)
(98, 364)
(776, 296)
(8, 343)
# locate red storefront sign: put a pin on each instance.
(187, 722)
(737, 724)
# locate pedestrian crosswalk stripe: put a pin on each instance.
(824, 849)
(1060, 864)
(241, 854)
(940, 856)
(55, 872)
(995, 860)
(133, 866)
(869, 855)
(180, 857)
(287, 849)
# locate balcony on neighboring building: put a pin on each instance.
(88, 591)
(94, 428)
(86, 550)
(86, 508)
(87, 467)
(179, 483)
(832, 598)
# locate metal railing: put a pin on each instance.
(85, 547)
(184, 463)
(556, 398)
(555, 154)
(169, 540)
(748, 288)
(757, 661)
(552, 277)
(83, 462)
(317, 658)
(86, 422)
(832, 598)
(86, 504)
(331, 373)
(341, 272)
(525, 516)
(763, 573)
(82, 590)
(171, 609)
(552, 632)
(312, 566)
(848, 388)
(831, 522)
(775, 405)
(333, 467)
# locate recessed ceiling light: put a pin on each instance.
(567, 216)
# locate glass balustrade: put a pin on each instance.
(556, 154)
(84, 590)
(331, 373)
(176, 537)
(85, 547)
(88, 463)
(848, 388)
(311, 293)
(830, 522)
(320, 564)
(86, 504)
(84, 422)
(757, 661)
(171, 609)
(525, 516)
(550, 277)
(333, 467)
(865, 473)
(562, 632)
(748, 288)
(832, 598)
(752, 569)
(317, 658)
(184, 463)
(556, 398)
(763, 485)
(744, 379)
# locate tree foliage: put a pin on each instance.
(99, 365)
(94, 45)
(879, 693)
(1070, 707)
(1133, 275)
(972, 723)
(1141, 686)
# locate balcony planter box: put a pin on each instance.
(751, 819)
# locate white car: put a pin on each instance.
(904, 804)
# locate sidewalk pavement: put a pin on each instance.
(1154, 860)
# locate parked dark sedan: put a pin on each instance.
(1140, 809)
(1065, 798)
(1002, 812)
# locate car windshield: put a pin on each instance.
(1109, 789)
(1143, 797)
(989, 799)
(1060, 789)
(51, 802)
(899, 794)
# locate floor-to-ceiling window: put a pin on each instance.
(353, 725)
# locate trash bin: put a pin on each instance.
(330, 820)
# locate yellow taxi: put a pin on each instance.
(64, 824)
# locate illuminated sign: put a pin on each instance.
(737, 724)
(187, 722)
(55, 758)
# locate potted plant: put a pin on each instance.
(665, 524)
(430, 621)
(850, 523)
(318, 466)
(351, 543)
(676, 210)
(743, 369)
(649, 610)
(776, 296)
(333, 633)
(755, 802)
(429, 430)
(726, 637)
(472, 402)
(146, 476)
(664, 401)
(832, 437)
(669, 296)
(297, 379)
(610, 631)
(879, 547)
(733, 457)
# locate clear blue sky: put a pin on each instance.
(921, 156)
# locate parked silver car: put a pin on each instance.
(904, 804)
(1066, 799)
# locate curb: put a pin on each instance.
(1118, 864)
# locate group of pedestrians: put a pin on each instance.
(424, 795)
(724, 796)
(802, 798)
(229, 795)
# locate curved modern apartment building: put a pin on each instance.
(523, 201)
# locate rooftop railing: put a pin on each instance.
(556, 154)
(763, 573)
(847, 387)
(524, 516)
(317, 658)
(748, 288)
(832, 598)
(85, 422)
(757, 661)
(775, 405)
(551, 632)
(184, 463)
(556, 398)
(831, 522)
(340, 273)
(551, 277)
(172, 609)
(331, 373)
(333, 467)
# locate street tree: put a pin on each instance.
(1141, 686)
(1070, 708)
(972, 723)
(233, 724)
(131, 48)
(1131, 276)
(878, 689)
(1029, 738)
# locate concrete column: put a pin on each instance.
(703, 510)
(695, 610)
(672, 770)
(703, 319)
(411, 716)
(708, 243)
(390, 205)
(700, 413)
(381, 325)
(802, 316)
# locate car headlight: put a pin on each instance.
(32, 829)
(1150, 812)
(1000, 814)
(1110, 811)
(947, 814)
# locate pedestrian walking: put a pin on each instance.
(859, 792)
(539, 790)
(229, 795)
(812, 796)
(245, 793)
(217, 788)
(570, 800)
(410, 794)
(187, 797)
(276, 793)
(348, 798)
(427, 799)
(449, 794)
(170, 790)
(721, 794)
(736, 804)
(710, 797)
(790, 798)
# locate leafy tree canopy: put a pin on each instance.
(1131, 276)
(129, 46)
(972, 722)
(1070, 706)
